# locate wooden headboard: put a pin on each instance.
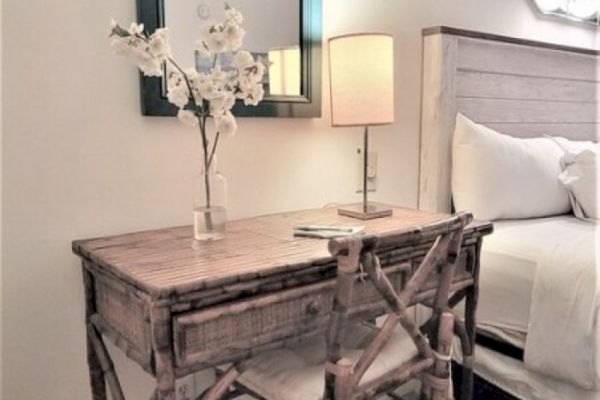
(517, 87)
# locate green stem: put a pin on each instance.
(201, 114)
(214, 148)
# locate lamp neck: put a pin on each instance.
(365, 167)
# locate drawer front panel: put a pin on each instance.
(220, 333)
(124, 312)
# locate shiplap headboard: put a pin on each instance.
(517, 87)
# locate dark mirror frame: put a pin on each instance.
(308, 105)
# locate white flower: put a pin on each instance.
(216, 42)
(174, 78)
(120, 46)
(233, 16)
(242, 59)
(188, 118)
(255, 96)
(162, 33)
(218, 88)
(159, 45)
(254, 72)
(257, 70)
(149, 65)
(136, 29)
(218, 76)
(202, 48)
(116, 30)
(203, 87)
(226, 124)
(234, 35)
(150, 69)
(243, 86)
(179, 95)
(222, 102)
(191, 73)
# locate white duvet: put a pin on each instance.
(563, 337)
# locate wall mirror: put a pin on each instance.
(285, 32)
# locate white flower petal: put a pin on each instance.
(188, 118)
(242, 59)
(216, 42)
(226, 124)
(179, 95)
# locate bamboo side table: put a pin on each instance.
(176, 306)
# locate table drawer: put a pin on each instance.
(123, 315)
(227, 332)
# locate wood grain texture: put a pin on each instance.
(108, 368)
(485, 111)
(476, 84)
(97, 381)
(168, 261)
(162, 341)
(506, 58)
(438, 107)
(517, 87)
(570, 130)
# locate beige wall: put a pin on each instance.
(78, 159)
(0, 201)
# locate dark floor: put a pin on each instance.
(483, 390)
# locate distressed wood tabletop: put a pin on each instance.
(164, 261)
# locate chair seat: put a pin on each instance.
(297, 373)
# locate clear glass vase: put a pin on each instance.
(210, 204)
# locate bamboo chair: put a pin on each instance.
(360, 361)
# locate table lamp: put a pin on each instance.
(361, 68)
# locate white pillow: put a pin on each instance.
(581, 177)
(497, 176)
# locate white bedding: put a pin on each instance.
(512, 376)
(518, 253)
(508, 264)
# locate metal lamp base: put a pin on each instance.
(373, 210)
(365, 210)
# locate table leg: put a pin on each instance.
(220, 388)
(97, 382)
(471, 299)
(162, 343)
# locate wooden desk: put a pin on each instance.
(177, 306)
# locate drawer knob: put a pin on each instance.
(313, 308)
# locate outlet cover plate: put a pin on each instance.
(371, 172)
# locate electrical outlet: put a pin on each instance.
(371, 171)
(186, 388)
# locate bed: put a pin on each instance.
(523, 89)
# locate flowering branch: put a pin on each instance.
(199, 95)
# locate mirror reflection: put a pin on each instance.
(272, 33)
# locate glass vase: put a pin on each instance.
(210, 204)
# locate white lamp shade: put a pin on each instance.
(284, 71)
(362, 79)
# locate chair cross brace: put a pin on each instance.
(343, 377)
